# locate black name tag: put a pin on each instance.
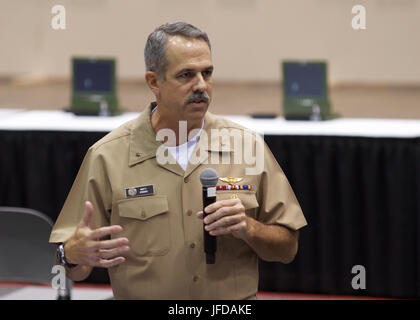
(140, 191)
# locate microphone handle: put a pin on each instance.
(210, 243)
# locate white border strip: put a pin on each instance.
(57, 120)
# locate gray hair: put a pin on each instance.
(155, 49)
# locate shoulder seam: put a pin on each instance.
(100, 143)
(229, 124)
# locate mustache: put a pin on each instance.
(198, 97)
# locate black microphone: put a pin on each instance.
(209, 179)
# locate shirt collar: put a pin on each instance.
(195, 138)
(143, 143)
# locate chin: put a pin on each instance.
(197, 110)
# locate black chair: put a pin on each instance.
(25, 253)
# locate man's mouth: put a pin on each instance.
(198, 100)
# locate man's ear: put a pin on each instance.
(153, 82)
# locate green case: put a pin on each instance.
(306, 106)
(94, 102)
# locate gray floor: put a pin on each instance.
(29, 292)
(101, 292)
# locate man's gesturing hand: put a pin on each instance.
(84, 247)
(226, 217)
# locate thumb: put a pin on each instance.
(88, 215)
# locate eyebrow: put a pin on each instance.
(210, 68)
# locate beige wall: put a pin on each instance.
(249, 37)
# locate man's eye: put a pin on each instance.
(207, 73)
(185, 75)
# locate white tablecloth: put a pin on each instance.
(4, 113)
(55, 120)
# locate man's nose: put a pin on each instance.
(200, 84)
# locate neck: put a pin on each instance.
(161, 121)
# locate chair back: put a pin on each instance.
(25, 253)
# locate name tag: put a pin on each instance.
(140, 191)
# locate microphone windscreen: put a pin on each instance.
(209, 177)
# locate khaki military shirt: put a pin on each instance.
(167, 259)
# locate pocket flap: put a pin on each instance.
(248, 198)
(143, 208)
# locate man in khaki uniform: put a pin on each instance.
(149, 208)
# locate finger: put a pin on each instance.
(111, 244)
(104, 263)
(221, 212)
(85, 222)
(220, 232)
(200, 214)
(233, 229)
(224, 222)
(104, 231)
(109, 254)
(221, 203)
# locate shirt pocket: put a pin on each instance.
(248, 199)
(146, 224)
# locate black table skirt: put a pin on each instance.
(361, 197)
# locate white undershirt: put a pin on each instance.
(183, 152)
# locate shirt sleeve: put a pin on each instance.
(278, 203)
(90, 184)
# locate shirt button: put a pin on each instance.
(195, 278)
(189, 212)
(192, 245)
(143, 214)
(186, 179)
